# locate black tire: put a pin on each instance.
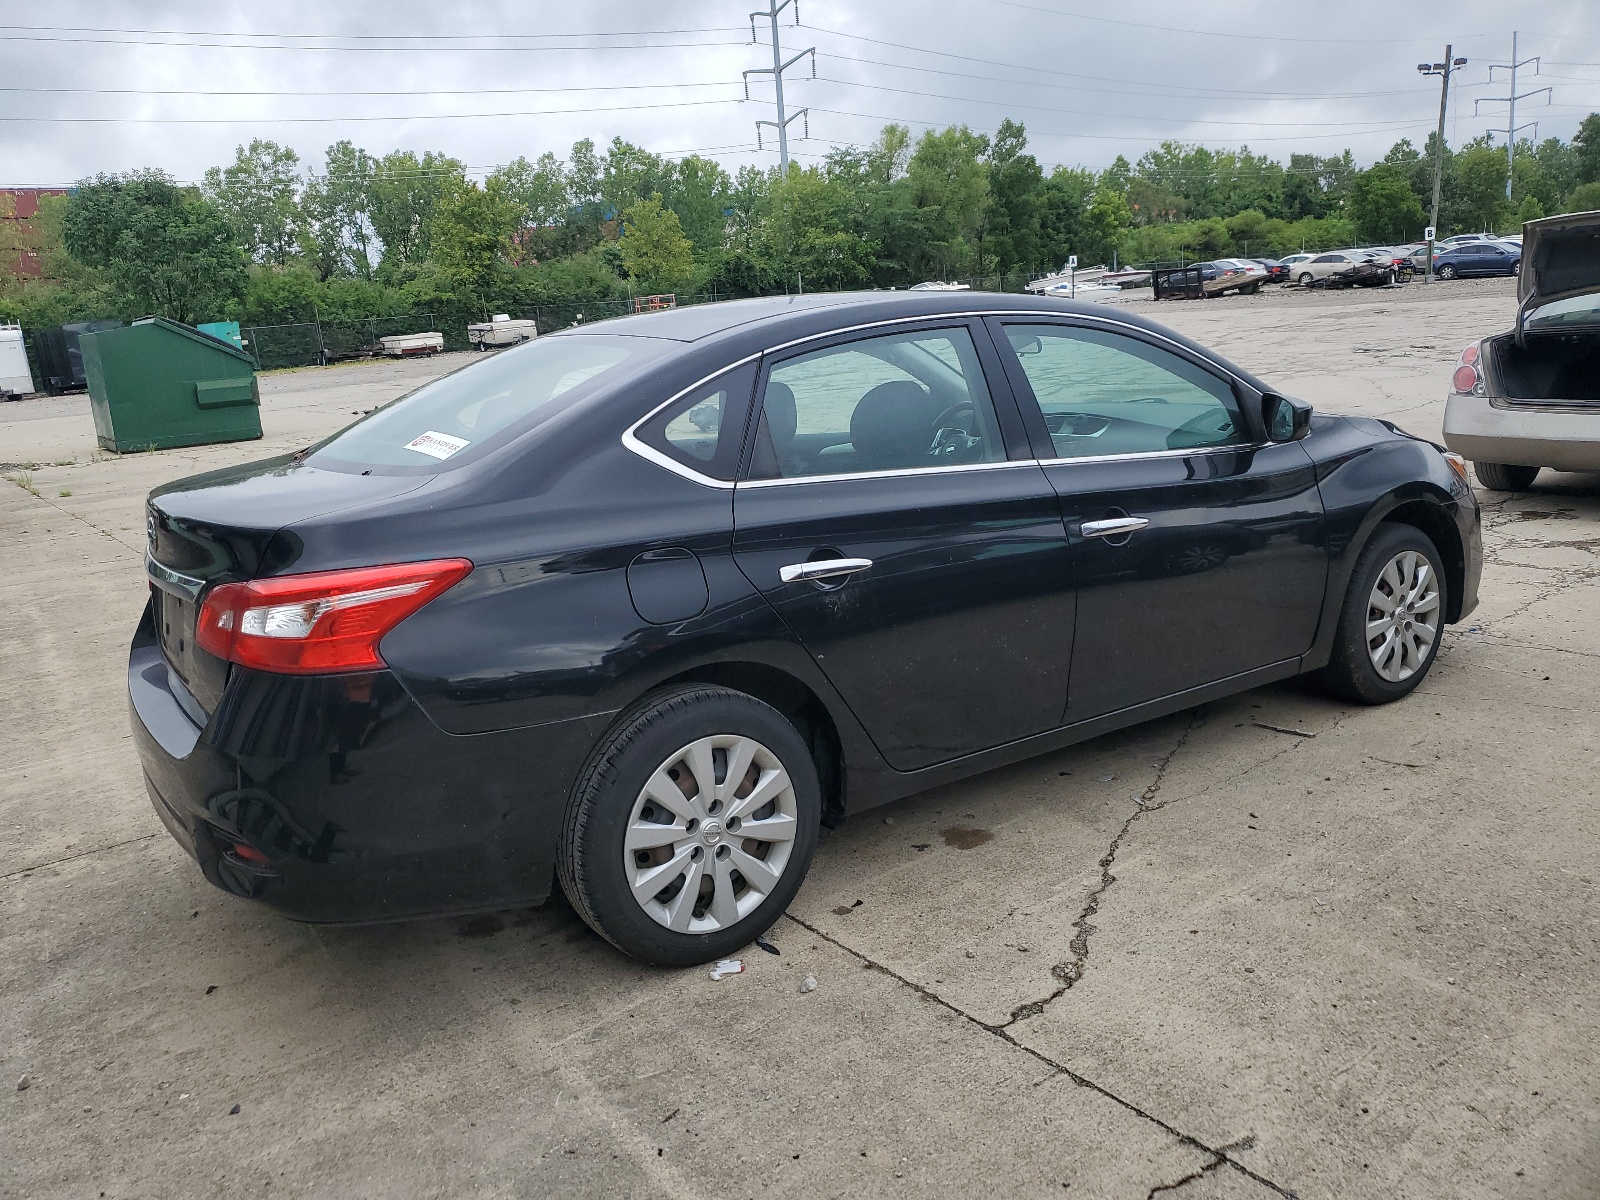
(1250, 289)
(1446, 272)
(1305, 279)
(590, 859)
(1505, 477)
(1350, 673)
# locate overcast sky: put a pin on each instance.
(1089, 79)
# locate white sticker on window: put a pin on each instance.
(437, 445)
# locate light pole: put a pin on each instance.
(1442, 69)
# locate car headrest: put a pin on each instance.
(778, 405)
(892, 425)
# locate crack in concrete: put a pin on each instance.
(1221, 1153)
(1071, 971)
(1201, 1172)
(54, 862)
(79, 517)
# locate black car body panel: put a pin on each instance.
(989, 628)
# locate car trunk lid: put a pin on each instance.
(1560, 259)
(228, 526)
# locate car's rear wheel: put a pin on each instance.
(1505, 477)
(692, 826)
(1392, 619)
(1446, 272)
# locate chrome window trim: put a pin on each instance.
(896, 473)
(630, 439)
(1237, 448)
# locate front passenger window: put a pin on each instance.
(1107, 393)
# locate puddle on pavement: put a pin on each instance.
(964, 837)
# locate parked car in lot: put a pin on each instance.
(1342, 268)
(1530, 398)
(641, 605)
(1292, 260)
(1224, 275)
(1277, 271)
(1477, 258)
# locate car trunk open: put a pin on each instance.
(1561, 366)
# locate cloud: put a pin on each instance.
(1089, 82)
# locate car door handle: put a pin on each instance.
(825, 568)
(1113, 527)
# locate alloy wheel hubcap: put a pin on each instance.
(1403, 616)
(710, 834)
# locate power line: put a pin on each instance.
(409, 49)
(1091, 113)
(558, 112)
(1256, 37)
(371, 37)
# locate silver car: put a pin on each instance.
(1530, 398)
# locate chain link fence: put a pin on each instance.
(313, 343)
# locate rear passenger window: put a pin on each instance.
(702, 431)
(894, 403)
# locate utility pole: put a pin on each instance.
(776, 70)
(1442, 69)
(1511, 98)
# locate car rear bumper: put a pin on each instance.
(1483, 431)
(362, 809)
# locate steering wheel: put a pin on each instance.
(1152, 400)
(953, 411)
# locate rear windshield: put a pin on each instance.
(468, 412)
(1560, 314)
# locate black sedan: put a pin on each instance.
(642, 605)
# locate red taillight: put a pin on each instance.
(1466, 380)
(319, 623)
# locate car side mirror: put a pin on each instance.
(1286, 419)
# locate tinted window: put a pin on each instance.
(704, 428)
(1105, 393)
(892, 403)
(452, 419)
(1327, 258)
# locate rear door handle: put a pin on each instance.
(1113, 527)
(825, 568)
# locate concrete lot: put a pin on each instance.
(1198, 959)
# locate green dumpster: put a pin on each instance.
(156, 384)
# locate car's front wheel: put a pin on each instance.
(1305, 278)
(1392, 619)
(1446, 272)
(1505, 477)
(692, 826)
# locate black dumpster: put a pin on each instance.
(58, 358)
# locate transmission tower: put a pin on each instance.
(1511, 98)
(776, 70)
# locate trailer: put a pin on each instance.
(15, 377)
(501, 330)
(411, 345)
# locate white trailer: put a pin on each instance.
(407, 345)
(500, 330)
(15, 378)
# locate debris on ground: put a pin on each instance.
(727, 966)
(234, 1111)
(210, 989)
(888, 820)
(920, 846)
(1305, 733)
(24, 1083)
(763, 944)
(808, 984)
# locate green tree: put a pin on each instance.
(337, 233)
(656, 255)
(164, 250)
(537, 189)
(403, 192)
(948, 182)
(1479, 176)
(259, 193)
(1583, 198)
(1014, 230)
(1383, 206)
(471, 230)
(1586, 149)
(805, 233)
